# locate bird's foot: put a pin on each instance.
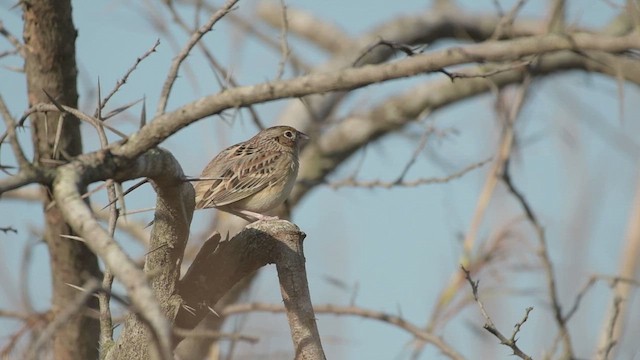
(254, 216)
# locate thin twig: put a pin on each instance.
(491, 327)
(354, 311)
(12, 39)
(558, 17)
(8, 229)
(509, 117)
(506, 22)
(349, 182)
(62, 317)
(226, 74)
(610, 341)
(418, 150)
(96, 123)
(216, 335)
(195, 38)
(487, 71)
(124, 79)
(10, 123)
(284, 44)
(546, 263)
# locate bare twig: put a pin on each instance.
(546, 262)
(284, 43)
(124, 79)
(12, 39)
(10, 123)
(185, 333)
(509, 114)
(349, 182)
(418, 150)
(96, 123)
(14, 315)
(506, 21)
(298, 64)
(195, 38)
(398, 321)
(71, 310)
(558, 17)
(226, 74)
(308, 26)
(486, 71)
(351, 78)
(629, 264)
(8, 229)
(491, 327)
(610, 339)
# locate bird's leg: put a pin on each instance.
(256, 215)
(250, 216)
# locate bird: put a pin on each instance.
(252, 177)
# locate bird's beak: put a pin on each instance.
(303, 137)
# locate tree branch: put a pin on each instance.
(491, 327)
(195, 38)
(221, 264)
(156, 164)
(354, 311)
(165, 125)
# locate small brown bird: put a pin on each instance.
(252, 177)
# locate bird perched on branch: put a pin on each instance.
(252, 177)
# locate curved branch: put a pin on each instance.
(437, 23)
(221, 264)
(195, 38)
(163, 126)
(323, 156)
(156, 164)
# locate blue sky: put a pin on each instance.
(395, 248)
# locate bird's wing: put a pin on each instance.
(238, 172)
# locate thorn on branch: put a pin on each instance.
(8, 229)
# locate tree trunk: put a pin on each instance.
(50, 66)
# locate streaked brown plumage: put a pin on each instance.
(252, 177)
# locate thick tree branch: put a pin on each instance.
(165, 125)
(436, 24)
(156, 164)
(221, 264)
(173, 214)
(323, 156)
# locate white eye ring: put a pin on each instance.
(288, 134)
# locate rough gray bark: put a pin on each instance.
(174, 211)
(161, 166)
(221, 264)
(49, 37)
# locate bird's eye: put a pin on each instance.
(288, 134)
